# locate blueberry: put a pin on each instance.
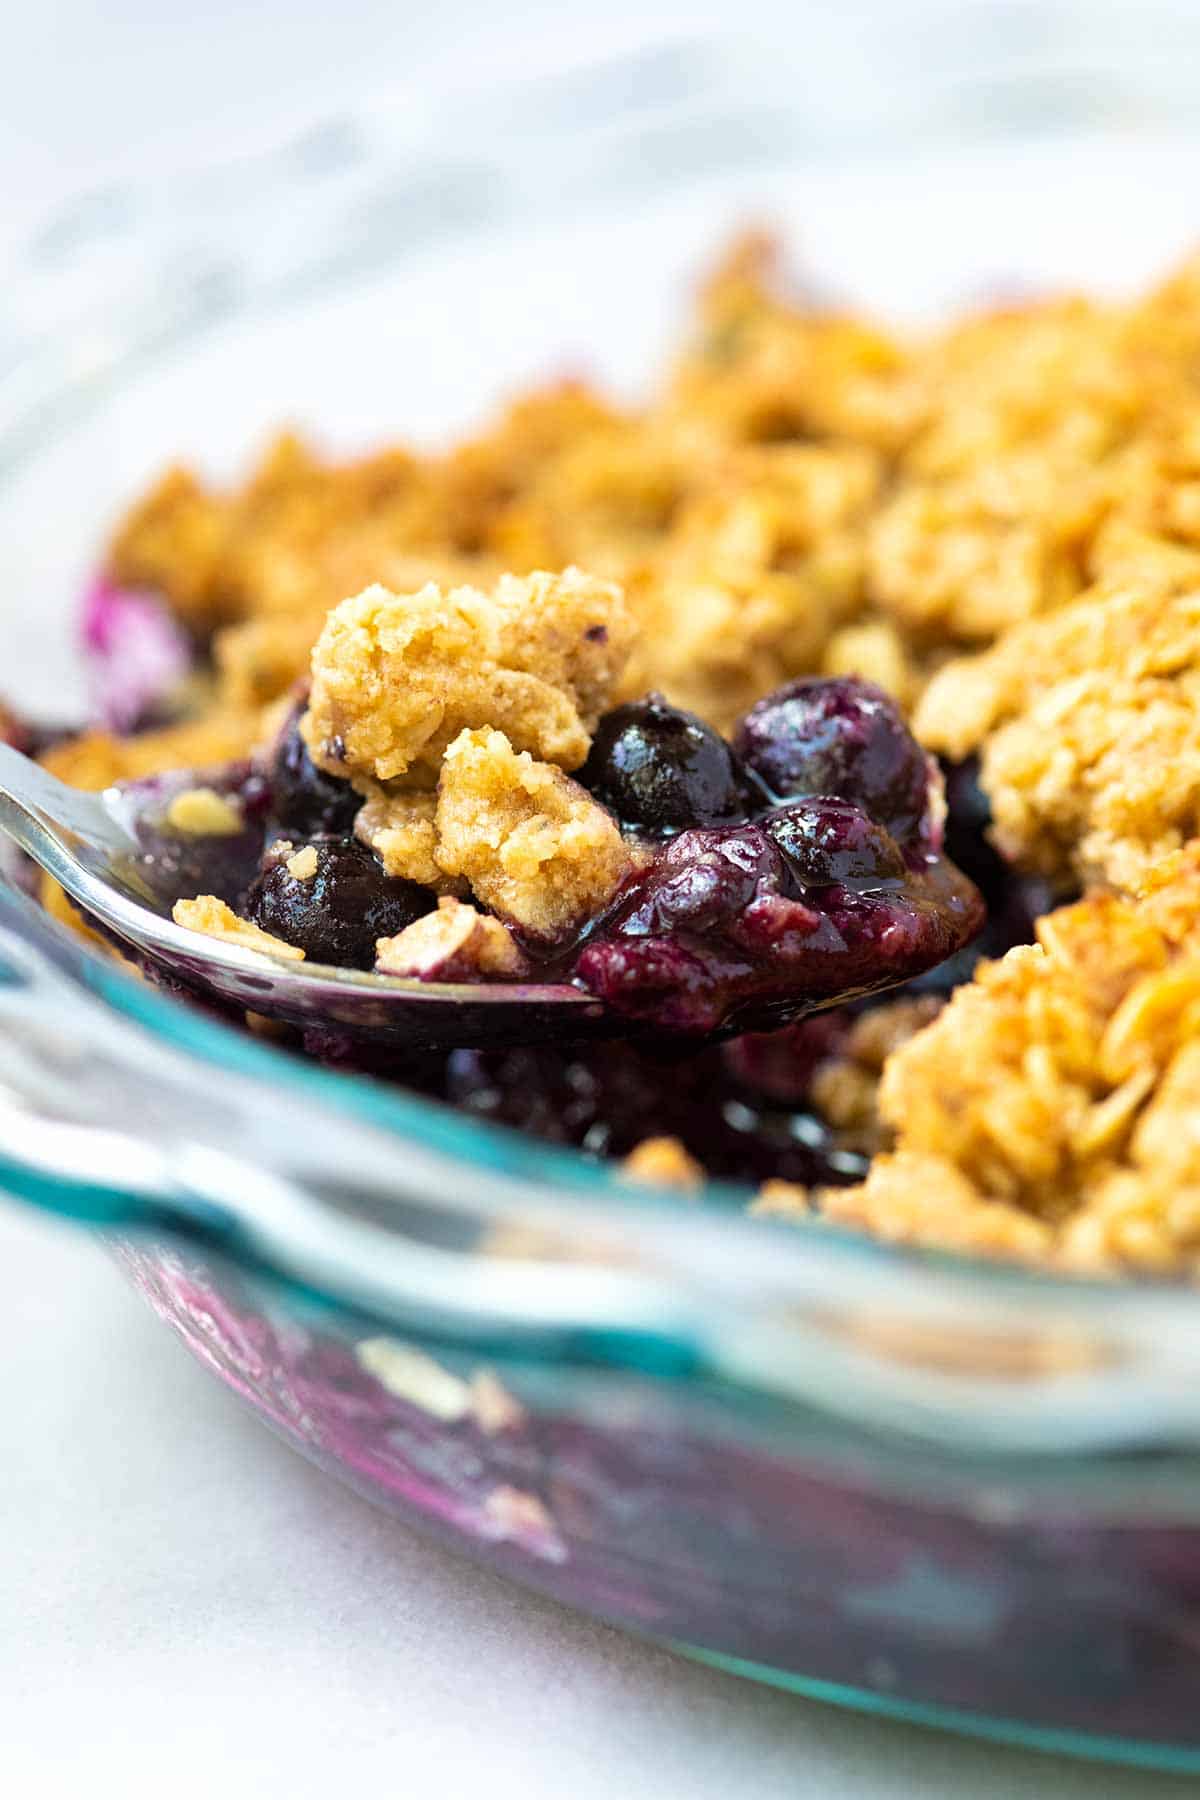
(703, 880)
(828, 841)
(305, 800)
(843, 737)
(662, 771)
(336, 914)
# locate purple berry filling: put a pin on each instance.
(836, 891)
(722, 932)
(729, 926)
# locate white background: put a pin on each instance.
(185, 1607)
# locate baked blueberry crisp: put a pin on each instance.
(452, 803)
(849, 677)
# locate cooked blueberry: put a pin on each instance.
(305, 800)
(336, 912)
(703, 880)
(842, 737)
(829, 841)
(661, 770)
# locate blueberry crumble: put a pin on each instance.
(833, 718)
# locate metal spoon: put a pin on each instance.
(123, 857)
(110, 853)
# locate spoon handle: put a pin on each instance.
(36, 808)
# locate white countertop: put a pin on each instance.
(187, 1608)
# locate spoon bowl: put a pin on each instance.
(115, 856)
(125, 856)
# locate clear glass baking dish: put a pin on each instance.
(945, 1491)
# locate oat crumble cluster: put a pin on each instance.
(1088, 721)
(1052, 1110)
(455, 715)
(999, 524)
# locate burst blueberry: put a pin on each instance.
(828, 841)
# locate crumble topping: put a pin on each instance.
(845, 1085)
(409, 1374)
(495, 1409)
(202, 812)
(876, 651)
(1089, 723)
(397, 677)
(760, 570)
(400, 827)
(663, 1162)
(302, 864)
(516, 1515)
(783, 1200)
(455, 943)
(1051, 1109)
(96, 759)
(215, 919)
(535, 847)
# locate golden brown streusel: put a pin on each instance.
(663, 1162)
(397, 677)
(303, 864)
(172, 542)
(783, 1200)
(534, 846)
(769, 363)
(1051, 1109)
(399, 826)
(202, 812)
(1089, 723)
(215, 919)
(495, 1409)
(875, 649)
(760, 569)
(845, 1086)
(452, 943)
(58, 903)
(96, 759)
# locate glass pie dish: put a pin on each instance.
(911, 1483)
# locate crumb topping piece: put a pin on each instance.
(1051, 1109)
(215, 919)
(783, 1200)
(1089, 723)
(202, 812)
(302, 863)
(396, 677)
(400, 827)
(455, 943)
(663, 1162)
(845, 1085)
(535, 847)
